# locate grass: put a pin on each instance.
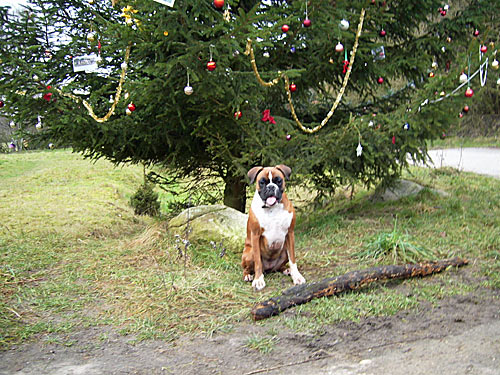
(73, 254)
(457, 142)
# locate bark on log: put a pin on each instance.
(353, 280)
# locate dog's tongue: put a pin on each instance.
(270, 201)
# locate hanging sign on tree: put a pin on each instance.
(85, 63)
(169, 3)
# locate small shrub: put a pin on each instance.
(145, 201)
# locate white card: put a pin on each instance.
(169, 3)
(85, 63)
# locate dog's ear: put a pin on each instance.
(287, 171)
(252, 173)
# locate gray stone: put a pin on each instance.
(401, 189)
(212, 223)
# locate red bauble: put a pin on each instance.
(237, 115)
(431, 74)
(484, 49)
(218, 4)
(211, 65)
(47, 96)
(288, 137)
(307, 22)
(293, 87)
(1, 103)
(460, 115)
(382, 32)
(443, 13)
(393, 139)
(469, 92)
(380, 80)
(285, 28)
(476, 32)
(466, 108)
(131, 107)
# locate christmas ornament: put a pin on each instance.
(91, 36)
(344, 24)
(131, 107)
(483, 49)
(266, 116)
(218, 4)
(466, 108)
(237, 115)
(39, 123)
(460, 115)
(339, 47)
(359, 149)
(431, 74)
(165, 33)
(51, 146)
(288, 137)
(446, 7)
(307, 21)
(448, 39)
(293, 87)
(469, 92)
(378, 53)
(266, 54)
(12, 145)
(494, 64)
(406, 126)
(12, 124)
(211, 65)
(285, 28)
(292, 49)
(127, 14)
(443, 13)
(380, 80)
(382, 32)
(463, 78)
(188, 90)
(1, 103)
(128, 112)
(393, 139)
(476, 32)
(434, 65)
(226, 16)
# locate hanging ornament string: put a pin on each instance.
(249, 51)
(482, 77)
(117, 95)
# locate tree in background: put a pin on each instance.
(184, 93)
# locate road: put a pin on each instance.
(479, 160)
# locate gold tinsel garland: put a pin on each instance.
(117, 95)
(249, 51)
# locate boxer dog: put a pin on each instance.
(270, 242)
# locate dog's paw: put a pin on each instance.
(248, 277)
(298, 279)
(259, 283)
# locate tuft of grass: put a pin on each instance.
(262, 344)
(395, 246)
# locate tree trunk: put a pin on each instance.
(235, 194)
(353, 280)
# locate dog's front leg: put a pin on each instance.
(258, 282)
(290, 248)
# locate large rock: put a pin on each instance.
(212, 223)
(401, 189)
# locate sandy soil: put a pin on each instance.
(461, 335)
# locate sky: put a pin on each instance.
(12, 3)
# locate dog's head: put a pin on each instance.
(270, 182)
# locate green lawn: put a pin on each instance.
(72, 254)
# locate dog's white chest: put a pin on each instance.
(275, 221)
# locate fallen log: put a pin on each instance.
(349, 281)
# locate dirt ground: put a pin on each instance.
(461, 335)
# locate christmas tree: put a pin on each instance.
(342, 92)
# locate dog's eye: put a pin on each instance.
(277, 181)
(262, 182)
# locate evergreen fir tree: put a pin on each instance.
(367, 139)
